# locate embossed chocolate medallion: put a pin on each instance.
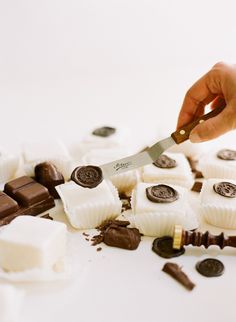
(165, 162)
(87, 176)
(225, 189)
(227, 154)
(210, 267)
(104, 131)
(161, 193)
(164, 247)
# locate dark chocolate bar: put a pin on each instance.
(23, 196)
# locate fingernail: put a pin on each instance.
(194, 138)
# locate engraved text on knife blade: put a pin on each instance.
(126, 164)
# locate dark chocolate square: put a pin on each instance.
(7, 205)
(12, 186)
(31, 194)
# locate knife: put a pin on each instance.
(151, 154)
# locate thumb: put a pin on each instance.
(214, 127)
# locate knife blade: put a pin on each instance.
(152, 153)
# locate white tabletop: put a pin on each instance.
(68, 66)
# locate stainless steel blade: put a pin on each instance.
(137, 160)
(158, 148)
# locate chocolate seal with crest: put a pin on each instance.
(210, 267)
(227, 154)
(88, 176)
(161, 193)
(165, 162)
(225, 189)
(104, 131)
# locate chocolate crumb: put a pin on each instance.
(199, 175)
(85, 234)
(197, 186)
(46, 216)
(126, 202)
(175, 271)
(99, 249)
(87, 239)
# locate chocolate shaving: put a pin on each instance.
(197, 186)
(199, 175)
(116, 233)
(85, 234)
(46, 216)
(99, 249)
(175, 271)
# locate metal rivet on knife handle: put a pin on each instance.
(182, 134)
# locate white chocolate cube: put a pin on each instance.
(10, 303)
(141, 204)
(217, 210)
(179, 175)
(124, 182)
(52, 151)
(8, 166)
(31, 242)
(159, 219)
(87, 208)
(190, 149)
(213, 167)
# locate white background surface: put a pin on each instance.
(67, 66)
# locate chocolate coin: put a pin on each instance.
(161, 193)
(87, 176)
(225, 189)
(165, 162)
(104, 131)
(164, 247)
(227, 154)
(210, 267)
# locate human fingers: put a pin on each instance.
(216, 126)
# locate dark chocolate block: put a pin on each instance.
(13, 185)
(31, 194)
(7, 205)
(23, 196)
(47, 174)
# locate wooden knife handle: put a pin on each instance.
(182, 134)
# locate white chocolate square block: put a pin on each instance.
(31, 242)
(10, 303)
(141, 204)
(190, 149)
(213, 167)
(87, 208)
(124, 182)
(8, 165)
(158, 219)
(51, 150)
(216, 209)
(179, 175)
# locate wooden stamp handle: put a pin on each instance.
(182, 134)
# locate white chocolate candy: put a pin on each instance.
(217, 210)
(8, 165)
(31, 242)
(179, 175)
(213, 167)
(124, 182)
(159, 219)
(190, 149)
(87, 208)
(51, 150)
(141, 204)
(10, 303)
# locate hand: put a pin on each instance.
(217, 87)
